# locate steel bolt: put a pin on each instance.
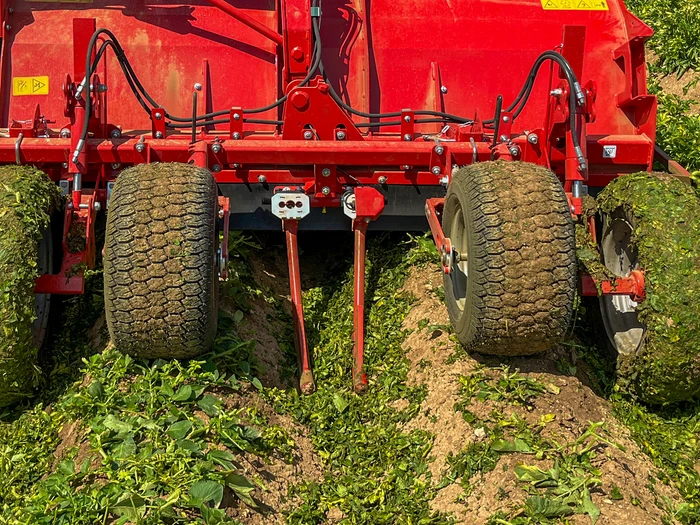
(97, 206)
(439, 150)
(514, 150)
(436, 170)
(368, 220)
(408, 137)
(159, 134)
(140, 146)
(115, 134)
(262, 179)
(556, 92)
(326, 190)
(8, 27)
(326, 172)
(65, 133)
(198, 87)
(102, 88)
(308, 135)
(221, 213)
(506, 119)
(216, 148)
(382, 180)
(236, 116)
(443, 89)
(158, 116)
(235, 166)
(116, 165)
(405, 167)
(504, 138)
(532, 139)
(65, 166)
(407, 118)
(11, 10)
(340, 135)
(216, 168)
(236, 136)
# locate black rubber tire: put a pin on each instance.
(160, 277)
(518, 296)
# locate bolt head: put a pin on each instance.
(439, 150)
(405, 167)
(408, 137)
(506, 119)
(262, 179)
(443, 90)
(221, 213)
(65, 166)
(116, 165)
(308, 135)
(504, 138)
(159, 134)
(8, 27)
(115, 134)
(340, 135)
(140, 147)
(326, 172)
(216, 168)
(236, 116)
(514, 150)
(198, 87)
(65, 133)
(407, 118)
(97, 206)
(216, 148)
(159, 116)
(10, 10)
(236, 136)
(326, 190)
(532, 139)
(436, 170)
(382, 180)
(102, 88)
(235, 166)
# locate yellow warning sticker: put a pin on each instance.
(575, 5)
(30, 86)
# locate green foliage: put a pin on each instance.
(27, 198)
(678, 132)
(677, 25)
(375, 472)
(666, 215)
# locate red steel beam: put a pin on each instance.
(247, 20)
(633, 285)
(359, 378)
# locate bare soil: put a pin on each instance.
(573, 407)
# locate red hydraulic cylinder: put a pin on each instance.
(359, 378)
(306, 380)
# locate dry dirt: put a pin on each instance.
(573, 407)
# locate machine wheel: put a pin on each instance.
(513, 278)
(652, 222)
(42, 302)
(160, 279)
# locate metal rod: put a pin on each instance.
(306, 380)
(359, 378)
(247, 20)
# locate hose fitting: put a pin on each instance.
(78, 149)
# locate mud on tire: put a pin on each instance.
(515, 292)
(159, 265)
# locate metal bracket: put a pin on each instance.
(290, 204)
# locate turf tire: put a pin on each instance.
(515, 293)
(160, 276)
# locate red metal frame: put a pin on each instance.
(319, 147)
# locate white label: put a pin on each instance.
(609, 152)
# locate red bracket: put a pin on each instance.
(433, 212)
(633, 285)
(408, 124)
(158, 123)
(236, 124)
(224, 215)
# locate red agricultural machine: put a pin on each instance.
(487, 121)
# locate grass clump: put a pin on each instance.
(27, 198)
(666, 219)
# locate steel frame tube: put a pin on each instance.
(250, 22)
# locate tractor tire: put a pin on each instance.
(652, 222)
(160, 278)
(27, 199)
(514, 293)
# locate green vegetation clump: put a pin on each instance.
(666, 217)
(27, 198)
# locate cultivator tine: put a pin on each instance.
(306, 380)
(359, 378)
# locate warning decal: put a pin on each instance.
(575, 5)
(30, 86)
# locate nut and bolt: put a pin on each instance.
(556, 92)
(159, 134)
(236, 116)
(158, 116)
(102, 88)
(65, 166)
(216, 168)
(504, 138)
(408, 137)
(115, 134)
(140, 146)
(235, 166)
(514, 150)
(436, 170)
(262, 179)
(407, 118)
(116, 165)
(443, 90)
(326, 172)
(405, 167)
(8, 27)
(382, 180)
(221, 213)
(308, 135)
(236, 135)
(326, 190)
(340, 135)
(65, 133)
(532, 138)
(439, 150)
(97, 206)
(198, 87)
(216, 148)
(506, 119)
